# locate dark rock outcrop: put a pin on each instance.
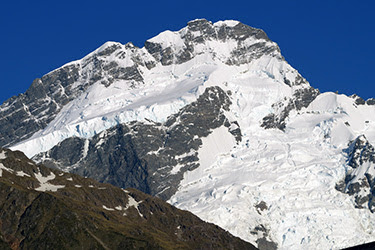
(359, 181)
(370, 101)
(358, 100)
(263, 238)
(301, 99)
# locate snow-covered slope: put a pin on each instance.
(293, 174)
(289, 181)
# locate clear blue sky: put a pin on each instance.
(331, 43)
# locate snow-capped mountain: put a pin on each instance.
(214, 120)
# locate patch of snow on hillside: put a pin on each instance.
(44, 185)
(2, 167)
(2, 155)
(22, 174)
(107, 208)
(132, 203)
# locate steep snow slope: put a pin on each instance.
(279, 183)
(292, 173)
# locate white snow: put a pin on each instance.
(2, 155)
(107, 208)
(85, 148)
(168, 38)
(132, 203)
(176, 169)
(2, 167)
(22, 174)
(229, 23)
(216, 145)
(178, 157)
(44, 185)
(294, 173)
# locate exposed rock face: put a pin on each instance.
(360, 178)
(200, 31)
(151, 157)
(263, 241)
(301, 99)
(370, 101)
(358, 100)
(27, 113)
(41, 208)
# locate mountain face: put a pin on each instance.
(151, 157)
(212, 119)
(49, 209)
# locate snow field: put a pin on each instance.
(294, 173)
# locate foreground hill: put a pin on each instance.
(41, 208)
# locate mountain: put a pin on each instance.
(212, 119)
(120, 83)
(142, 155)
(42, 208)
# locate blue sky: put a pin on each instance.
(329, 42)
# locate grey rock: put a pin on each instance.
(358, 100)
(22, 116)
(263, 241)
(358, 182)
(370, 101)
(301, 99)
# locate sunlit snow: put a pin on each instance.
(44, 185)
